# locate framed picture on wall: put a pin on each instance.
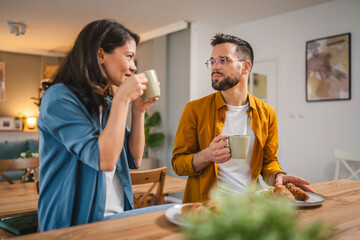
(2, 81)
(328, 70)
(6, 123)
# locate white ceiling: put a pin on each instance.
(53, 24)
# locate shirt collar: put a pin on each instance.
(251, 101)
(219, 100)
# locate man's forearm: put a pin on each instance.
(201, 160)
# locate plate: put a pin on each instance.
(314, 199)
(173, 214)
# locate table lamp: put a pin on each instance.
(31, 122)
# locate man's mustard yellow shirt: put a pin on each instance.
(201, 121)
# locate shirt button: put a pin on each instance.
(222, 119)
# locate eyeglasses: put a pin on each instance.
(222, 60)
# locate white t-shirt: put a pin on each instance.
(236, 173)
(114, 194)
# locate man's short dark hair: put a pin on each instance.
(243, 48)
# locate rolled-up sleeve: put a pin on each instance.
(186, 144)
(270, 161)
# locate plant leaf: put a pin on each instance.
(154, 120)
(155, 139)
(147, 131)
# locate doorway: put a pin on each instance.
(263, 81)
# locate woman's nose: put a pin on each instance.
(133, 67)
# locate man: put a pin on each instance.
(200, 150)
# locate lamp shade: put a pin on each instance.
(31, 122)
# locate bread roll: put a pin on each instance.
(192, 208)
(282, 191)
(298, 193)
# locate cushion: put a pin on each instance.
(20, 225)
(9, 150)
(33, 145)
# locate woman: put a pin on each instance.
(86, 149)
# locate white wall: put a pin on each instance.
(178, 86)
(200, 51)
(152, 54)
(306, 144)
(169, 55)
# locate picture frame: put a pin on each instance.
(328, 68)
(2, 81)
(18, 125)
(6, 123)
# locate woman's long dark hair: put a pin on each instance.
(81, 70)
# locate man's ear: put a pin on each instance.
(247, 67)
(101, 54)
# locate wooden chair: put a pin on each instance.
(36, 179)
(154, 176)
(345, 157)
(18, 164)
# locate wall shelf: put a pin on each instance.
(19, 131)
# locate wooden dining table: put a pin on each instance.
(341, 209)
(22, 198)
(17, 199)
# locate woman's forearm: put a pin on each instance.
(137, 136)
(111, 139)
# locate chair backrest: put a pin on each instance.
(154, 176)
(346, 155)
(18, 164)
(36, 179)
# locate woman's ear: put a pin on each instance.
(101, 54)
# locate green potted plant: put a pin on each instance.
(28, 154)
(252, 216)
(22, 118)
(152, 139)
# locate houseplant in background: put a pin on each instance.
(28, 154)
(152, 139)
(21, 118)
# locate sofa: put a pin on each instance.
(10, 150)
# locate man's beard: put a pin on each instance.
(227, 83)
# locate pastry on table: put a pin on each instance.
(281, 191)
(298, 193)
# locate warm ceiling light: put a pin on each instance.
(17, 28)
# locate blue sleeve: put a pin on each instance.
(130, 159)
(66, 119)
